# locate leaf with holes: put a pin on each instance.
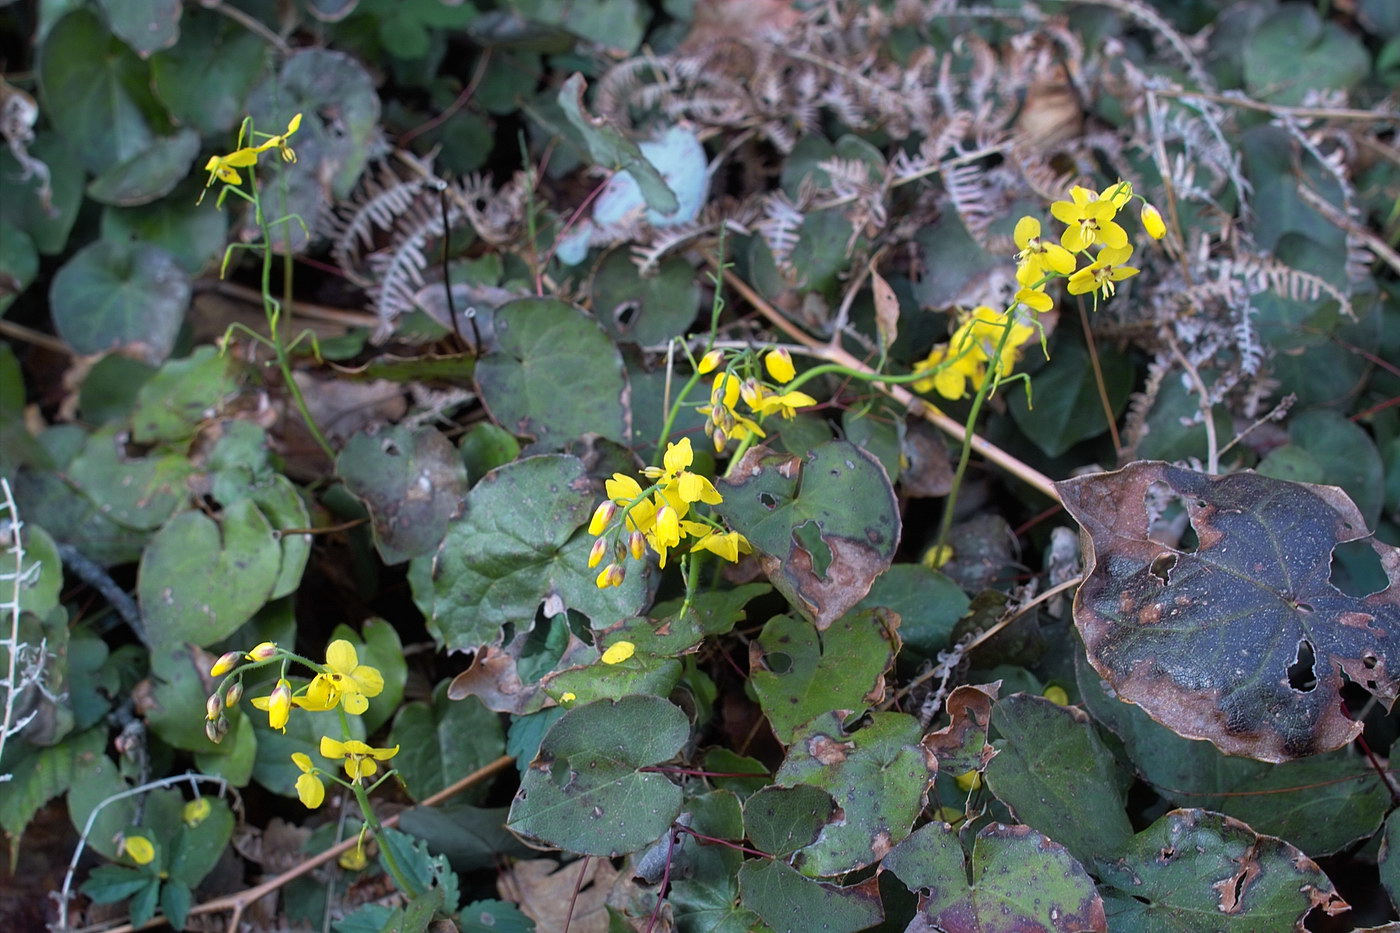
(411, 480)
(1243, 641)
(879, 776)
(1195, 871)
(823, 525)
(585, 790)
(556, 376)
(961, 746)
(800, 673)
(1021, 881)
(781, 820)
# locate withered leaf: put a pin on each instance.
(1244, 641)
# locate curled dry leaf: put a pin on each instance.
(1244, 641)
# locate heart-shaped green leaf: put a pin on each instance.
(120, 295)
(411, 480)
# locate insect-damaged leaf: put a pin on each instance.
(823, 525)
(584, 791)
(1021, 881)
(1243, 641)
(1201, 872)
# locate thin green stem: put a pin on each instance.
(357, 787)
(716, 308)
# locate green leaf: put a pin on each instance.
(37, 775)
(19, 263)
(1174, 428)
(195, 850)
(175, 900)
(143, 904)
(609, 148)
(1388, 861)
(1243, 641)
(1020, 881)
(174, 402)
(879, 431)
(148, 175)
(127, 296)
(471, 838)
(669, 632)
(639, 674)
(273, 767)
(485, 447)
(426, 871)
(175, 707)
(1344, 455)
(781, 820)
(204, 79)
(800, 673)
(235, 755)
(705, 893)
(95, 779)
(1294, 53)
(108, 393)
(645, 310)
(411, 480)
(790, 903)
(585, 792)
(1200, 872)
(1068, 408)
(879, 776)
(545, 343)
(823, 526)
(48, 223)
(444, 741)
(493, 917)
(195, 237)
(618, 25)
(108, 884)
(96, 92)
(139, 493)
(515, 547)
(145, 25)
(1281, 800)
(929, 605)
(1055, 774)
(370, 918)
(200, 579)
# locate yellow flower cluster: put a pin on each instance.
(723, 419)
(361, 761)
(225, 167)
(960, 365)
(655, 517)
(341, 681)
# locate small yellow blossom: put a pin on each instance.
(1035, 299)
(611, 575)
(728, 545)
(778, 362)
(618, 652)
(140, 849)
(595, 553)
(1037, 257)
(344, 680)
(1152, 222)
(280, 142)
(710, 362)
(1102, 275)
(969, 781)
(786, 404)
(277, 705)
(225, 168)
(227, 661)
(1088, 218)
(196, 811)
(310, 790)
(935, 557)
(354, 859)
(360, 759)
(692, 487)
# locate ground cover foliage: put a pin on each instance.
(700, 466)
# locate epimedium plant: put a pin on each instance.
(660, 464)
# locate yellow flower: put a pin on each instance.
(140, 849)
(196, 811)
(354, 859)
(722, 421)
(310, 790)
(778, 362)
(360, 759)
(277, 705)
(1088, 217)
(280, 142)
(263, 651)
(710, 362)
(728, 545)
(225, 168)
(1035, 299)
(692, 487)
(1038, 258)
(618, 652)
(1152, 222)
(958, 368)
(343, 680)
(936, 557)
(1102, 275)
(227, 661)
(786, 404)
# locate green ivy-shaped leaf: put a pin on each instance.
(585, 791)
(411, 480)
(120, 295)
(441, 741)
(791, 903)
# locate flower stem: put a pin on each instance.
(386, 853)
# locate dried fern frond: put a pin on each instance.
(383, 196)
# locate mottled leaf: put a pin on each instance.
(791, 903)
(961, 746)
(1195, 871)
(1243, 641)
(411, 480)
(823, 526)
(781, 820)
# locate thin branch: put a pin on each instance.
(1321, 113)
(38, 338)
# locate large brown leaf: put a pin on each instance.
(1243, 641)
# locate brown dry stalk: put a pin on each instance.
(241, 901)
(924, 409)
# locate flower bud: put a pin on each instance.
(213, 707)
(719, 438)
(263, 651)
(604, 578)
(752, 393)
(602, 517)
(616, 574)
(1152, 222)
(279, 704)
(595, 555)
(233, 694)
(778, 362)
(211, 731)
(710, 361)
(637, 544)
(227, 661)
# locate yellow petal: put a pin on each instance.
(778, 362)
(368, 679)
(330, 748)
(293, 125)
(679, 455)
(302, 761)
(310, 791)
(622, 487)
(140, 849)
(355, 703)
(341, 657)
(1059, 258)
(710, 362)
(1152, 222)
(618, 652)
(1035, 300)
(384, 754)
(1027, 229)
